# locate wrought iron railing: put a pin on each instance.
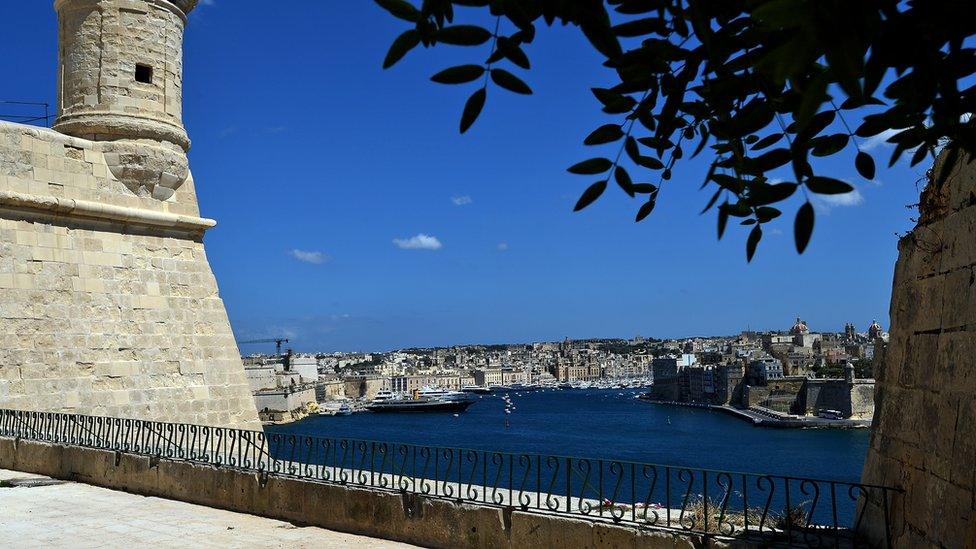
(709, 503)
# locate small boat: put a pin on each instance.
(344, 410)
(476, 389)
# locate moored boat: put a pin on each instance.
(419, 405)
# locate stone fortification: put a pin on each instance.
(108, 305)
(924, 438)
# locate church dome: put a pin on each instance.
(799, 328)
(874, 331)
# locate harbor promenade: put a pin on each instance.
(42, 512)
(764, 417)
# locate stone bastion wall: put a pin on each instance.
(108, 305)
(924, 437)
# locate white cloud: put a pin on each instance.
(461, 200)
(825, 202)
(316, 258)
(876, 141)
(419, 242)
(502, 246)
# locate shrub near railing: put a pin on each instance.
(709, 503)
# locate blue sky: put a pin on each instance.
(332, 180)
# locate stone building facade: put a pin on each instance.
(108, 305)
(924, 439)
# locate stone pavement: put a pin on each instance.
(37, 511)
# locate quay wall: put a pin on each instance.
(924, 437)
(410, 518)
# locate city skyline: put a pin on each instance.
(463, 239)
(269, 342)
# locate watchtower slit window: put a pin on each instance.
(144, 73)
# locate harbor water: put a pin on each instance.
(609, 424)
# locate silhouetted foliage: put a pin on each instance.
(761, 84)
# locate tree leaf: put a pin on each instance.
(400, 47)
(712, 201)
(649, 162)
(760, 195)
(590, 194)
(624, 181)
(770, 139)
(596, 28)
(767, 161)
(645, 210)
(472, 108)
(826, 145)
(606, 133)
(510, 82)
(633, 151)
(864, 163)
(765, 214)
(828, 185)
(513, 52)
(592, 166)
(723, 218)
(463, 35)
(459, 74)
(755, 235)
(400, 8)
(803, 226)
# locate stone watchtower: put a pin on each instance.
(108, 304)
(120, 81)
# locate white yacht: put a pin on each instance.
(436, 393)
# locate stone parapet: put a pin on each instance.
(411, 518)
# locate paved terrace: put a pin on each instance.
(40, 512)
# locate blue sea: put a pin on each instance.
(613, 425)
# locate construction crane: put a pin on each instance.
(276, 340)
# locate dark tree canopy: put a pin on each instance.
(758, 85)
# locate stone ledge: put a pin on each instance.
(410, 518)
(95, 210)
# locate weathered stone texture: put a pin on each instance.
(925, 418)
(94, 320)
(101, 43)
(108, 305)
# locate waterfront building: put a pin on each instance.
(285, 404)
(261, 376)
(763, 370)
(306, 366)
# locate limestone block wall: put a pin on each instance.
(924, 437)
(862, 399)
(108, 305)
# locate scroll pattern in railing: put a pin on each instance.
(710, 503)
